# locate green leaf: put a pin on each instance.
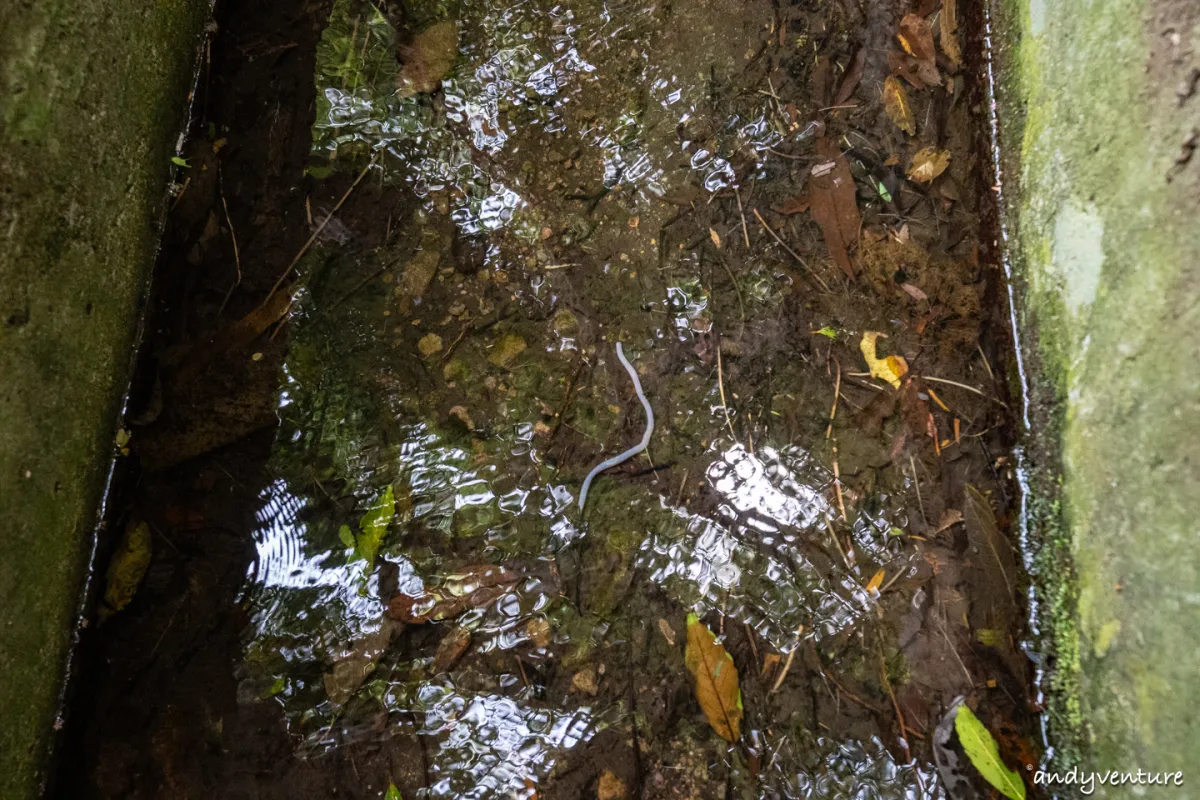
(883, 192)
(179, 162)
(374, 525)
(347, 537)
(827, 331)
(392, 793)
(984, 753)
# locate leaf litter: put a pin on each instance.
(833, 204)
(716, 679)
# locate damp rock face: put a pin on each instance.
(89, 125)
(1106, 234)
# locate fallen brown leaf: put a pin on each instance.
(916, 37)
(833, 204)
(452, 647)
(794, 205)
(852, 77)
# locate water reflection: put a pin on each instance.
(540, 137)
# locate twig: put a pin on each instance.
(721, 387)
(787, 665)
(792, 252)
(741, 302)
(837, 388)
(837, 484)
(851, 695)
(837, 543)
(296, 260)
(745, 233)
(917, 485)
(750, 638)
(965, 386)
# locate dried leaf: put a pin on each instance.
(914, 292)
(916, 37)
(853, 76)
(428, 59)
(984, 754)
(898, 106)
(351, 670)
(795, 205)
(927, 164)
(947, 32)
(127, 568)
(875, 582)
(716, 238)
(831, 191)
(452, 647)
(716, 679)
(890, 369)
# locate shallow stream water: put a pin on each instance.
(395, 585)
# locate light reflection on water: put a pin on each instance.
(753, 544)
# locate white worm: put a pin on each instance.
(637, 448)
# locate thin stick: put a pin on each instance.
(837, 543)
(750, 638)
(321, 227)
(787, 664)
(792, 252)
(721, 386)
(837, 484)
(837, 388)
(887, 684)
(842, 690)
(917, 486)
(965, 386)
(745, 233)
(237, 258)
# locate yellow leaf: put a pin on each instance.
(127, 568)
(716, 239)
(716, 679)
(928, 163)
(948, 25)
(898, 106)
(890, 369)
(875, 582)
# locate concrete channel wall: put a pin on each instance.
(92, 98)
(1100, 109)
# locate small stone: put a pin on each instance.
(256, 357)
(463, 416)
(430, 343)
(585, 681)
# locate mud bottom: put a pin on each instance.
(383, 362)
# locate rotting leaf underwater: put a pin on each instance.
(127, 568)
(716, 679)
(469, 587)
